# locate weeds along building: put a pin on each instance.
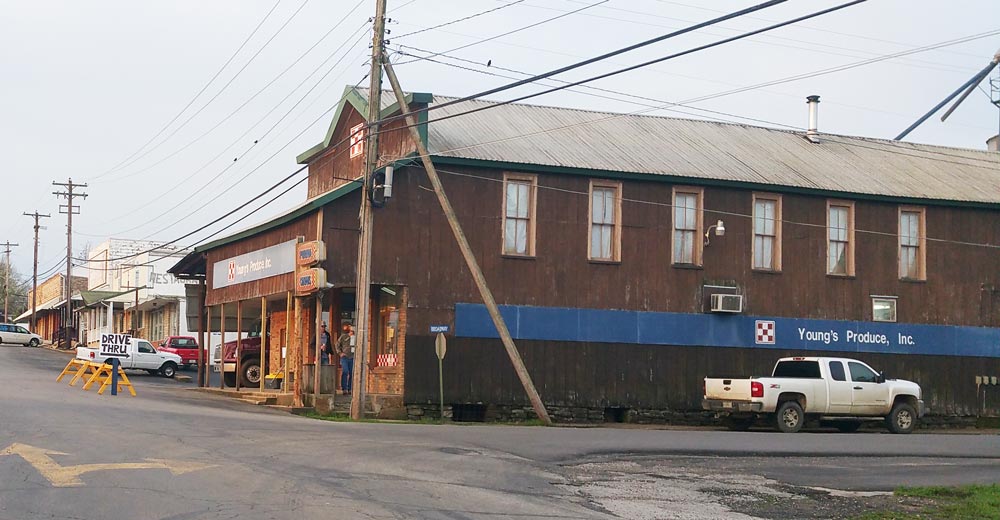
(632, 256)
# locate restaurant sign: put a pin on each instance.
(255, 265)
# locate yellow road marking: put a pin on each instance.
(69, 476)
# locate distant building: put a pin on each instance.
(129, 290)
(51, 304)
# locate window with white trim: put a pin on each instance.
(687, 226)
(883, 309)
(605, 221)
(767, 232)
(912, 252)
(840, 238)
(519, 214)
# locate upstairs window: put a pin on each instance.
(519, 215)
(840, 238)
(767, 232)
(912, 242)
(605, 221)
(687, 226)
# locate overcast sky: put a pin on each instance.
(85, 85)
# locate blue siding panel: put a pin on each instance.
(720, 330)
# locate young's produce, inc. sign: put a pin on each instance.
(255, 265)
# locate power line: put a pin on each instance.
(256, 141)
(916, 63)
(260, 91)
(626, 69)
(200, 92)
(723, 212)
(224, 87)
(526, 27)
(598, 89)
(504, 6)
(844, 67)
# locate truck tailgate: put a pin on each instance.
(727, 389)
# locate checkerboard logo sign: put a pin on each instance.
(764, 332)
(232, 270)
(357, 140)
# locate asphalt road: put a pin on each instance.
(175, 453)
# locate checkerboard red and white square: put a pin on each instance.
(764, 332)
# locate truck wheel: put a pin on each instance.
(738, 424)
(902, 419)
(230, 379)
(169, 369)
(847, 426)
(251, 374)
(790, 417)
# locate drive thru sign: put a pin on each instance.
(116, 345)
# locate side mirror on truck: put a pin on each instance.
(880, 378)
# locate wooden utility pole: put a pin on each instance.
(6, 278)
(70, 209)
(470, 257)
(363, 306)
(34, 271)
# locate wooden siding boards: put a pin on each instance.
(304, 226)
(650, 376)
(415, 247)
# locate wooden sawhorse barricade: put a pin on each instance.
(94, 372)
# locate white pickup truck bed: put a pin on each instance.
(839, 389)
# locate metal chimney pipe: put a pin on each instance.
(813, 102)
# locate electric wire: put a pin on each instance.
(257, 93)
(221, 90)
(526, 27)
(240, 138)
(199, 93)
(721, 212)
(425, 29)
(630, 68)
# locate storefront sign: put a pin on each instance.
(256, 265)
(308, 281)
(310, 253)
(713, 330)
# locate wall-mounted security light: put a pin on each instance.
(720, 230)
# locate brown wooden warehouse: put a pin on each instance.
(600, 236)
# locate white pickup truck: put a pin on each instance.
(837, 391)
(141, 356)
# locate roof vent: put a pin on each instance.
(993, 143)
(812, 133)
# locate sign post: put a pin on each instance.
(115, 347)
(440, 348)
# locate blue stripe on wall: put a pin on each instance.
(724, 330)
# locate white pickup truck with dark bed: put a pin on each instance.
(837, 391)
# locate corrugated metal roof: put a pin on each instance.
(711, 151)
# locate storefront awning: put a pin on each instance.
(91, 298)
(54, 303)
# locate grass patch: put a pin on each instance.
(974, 502)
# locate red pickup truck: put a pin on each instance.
(250, 369)
(184, 346)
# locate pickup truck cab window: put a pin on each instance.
(837, 371)
(861, 373)
(146, 348)
(801, 369)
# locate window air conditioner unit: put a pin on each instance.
(727, 303)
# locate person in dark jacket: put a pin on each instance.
(345, 349)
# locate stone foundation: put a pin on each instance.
(586, 415)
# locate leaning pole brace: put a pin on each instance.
(470, 258)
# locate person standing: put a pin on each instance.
(325, 346)
(345, 349)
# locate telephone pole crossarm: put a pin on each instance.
(71, 209)
(34, 270)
